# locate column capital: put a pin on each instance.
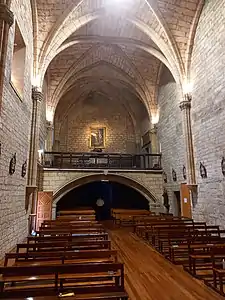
(37, 95)
(6, 14)
(186, 104)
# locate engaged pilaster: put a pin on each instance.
(50, 136)
(185, 107)
(37, 97)
(154, 140)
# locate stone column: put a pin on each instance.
(37, 97)
(185, 107)
(49, 143)
(154, 146)
(154, 140)
(49, 139)
(53, 211)
(6, 21)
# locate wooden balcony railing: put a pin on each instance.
(64, 160)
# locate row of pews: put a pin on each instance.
(198, 247)
(125, 217)
(69, 257)
(128, 217)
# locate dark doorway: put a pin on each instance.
(114, 195)
(178, 203)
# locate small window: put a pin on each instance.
(18, 62)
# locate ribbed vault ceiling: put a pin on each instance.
(112, 47)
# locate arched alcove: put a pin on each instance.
(135, 185)
(141, 188)
(114, 195)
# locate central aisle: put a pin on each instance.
(148, 276)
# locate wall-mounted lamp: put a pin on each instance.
(36, 81)
(187, 90)
(223, 166)
(187, 87)
(174, 175)
(12, 165)
(155, 116)
(49, 115)
(188, 97)
(184, 172)
(164, 177)
(24, 169)
(40, 155)
(203, 171)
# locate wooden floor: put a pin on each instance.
(148, 276)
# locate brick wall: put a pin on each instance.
(14, 136)
(170, 133)
(99, 111)
(208, 111)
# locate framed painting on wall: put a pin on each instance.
(97, 137)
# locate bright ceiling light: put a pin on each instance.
(49, 114)
(155, 117)
(187, 87)
(111, 2)
(36, 81)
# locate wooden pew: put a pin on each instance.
(77, 212)
(81, 293)
(53, 257)
(58, 278)
(73, 222)
(70, 249)
(125, 217)
(200, 256)
(144, 219)
(182, 234)
(151, 230)
(65, 236)
(71, 229)
(78, 225)
(218, 270)
(198, 247)
(145, 229)
(77, 217)
(161, 235)
(64, 245)
(180, 252)
(115, 211)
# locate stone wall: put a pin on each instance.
(14, 136)
(208, 120)
(98, 112)
(170, 134)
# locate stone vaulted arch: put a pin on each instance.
(66, 188)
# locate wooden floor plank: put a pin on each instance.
(149, 276)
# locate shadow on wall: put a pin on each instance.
(114, 195)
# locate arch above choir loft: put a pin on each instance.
(148, 185)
